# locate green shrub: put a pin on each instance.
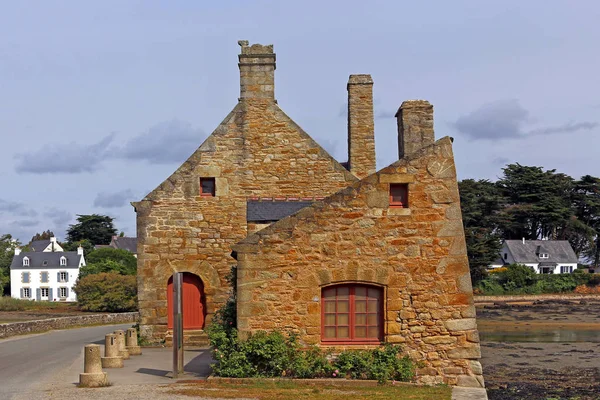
(516, 276)
(275, 354)
(109, 292)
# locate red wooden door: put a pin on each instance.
(193, 302)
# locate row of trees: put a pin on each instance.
(531, 203)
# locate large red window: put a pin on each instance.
(352, 313)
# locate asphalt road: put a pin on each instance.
(33, 360)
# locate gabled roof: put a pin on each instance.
(37, 258)
(559, 251)
(39, 245)
(267, 211)
(124, 242)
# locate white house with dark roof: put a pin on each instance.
(544, 256)
(46, 273)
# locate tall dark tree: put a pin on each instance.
(586, 204)
(7, 252)
(42, 236)
(480, 203)
(538, 202)
(98, 229)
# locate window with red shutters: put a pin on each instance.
(399, 195)
(352, 314)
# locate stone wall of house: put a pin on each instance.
(417, 254)
(257, 151)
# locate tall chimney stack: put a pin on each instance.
(415, 126)
(361, 126)
(257, 71)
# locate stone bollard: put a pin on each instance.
(123, 353)
(131, 342)
(111, 357)
(92, 368)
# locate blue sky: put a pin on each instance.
(101, 100)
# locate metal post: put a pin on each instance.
(177, 324)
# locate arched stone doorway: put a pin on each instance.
(194, 302)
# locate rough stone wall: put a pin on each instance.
(361, 126)
(257, 151)
(417, 254)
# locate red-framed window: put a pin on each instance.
(207, 187)
(399, 195)
(352, 313)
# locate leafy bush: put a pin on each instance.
(107, 292)
(275, 354)
(516, 276)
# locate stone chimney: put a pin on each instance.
(361, 126)
(17, 251)
(257, 71)
(415, 126)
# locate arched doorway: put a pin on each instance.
(194, 309)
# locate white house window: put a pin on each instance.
(44, 277)
(25, 261)
(544, 255)
(63, 292)
(45, 292)
(566, 269)
(26, 293)
(63, 276)
(63, 261)
(25, 277)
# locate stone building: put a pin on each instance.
(341, 254)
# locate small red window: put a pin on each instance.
(399, 195)
(207, 187)
(352, 313)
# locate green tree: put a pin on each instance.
(480, 202)
(538, 202)
(98, 229)
(88, 246)
(586, 203)
(7, 252)
(109, 260)
(107, 292)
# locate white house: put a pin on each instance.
(46, 274)
(544, 256)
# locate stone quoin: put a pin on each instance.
(343, 255)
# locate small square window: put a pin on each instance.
(63, 292)
(44, 292)
(207, 187)
(399, 195)
(63, 276)
(26, 293)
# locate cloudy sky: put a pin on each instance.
(101, 100)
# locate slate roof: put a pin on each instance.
(39, 245)
(124, 242)
(269, 211)
(559, 251)
(37, 258)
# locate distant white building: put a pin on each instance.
(46, 273)
(544, 256)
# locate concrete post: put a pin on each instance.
(92, 368)
(111, 357)
(123, 353)
(131, 342)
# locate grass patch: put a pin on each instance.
(270, 390)
(8, 303)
